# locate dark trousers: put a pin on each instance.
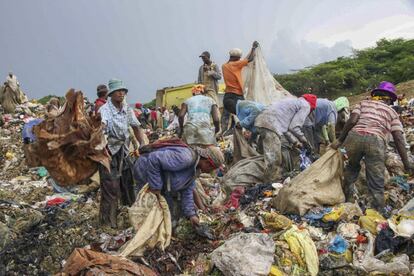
(115, 185)
(229, 103)
(372, 149)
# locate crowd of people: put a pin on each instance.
(278, 131)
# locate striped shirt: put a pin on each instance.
(376, 118)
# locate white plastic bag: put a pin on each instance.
(259, 84)
(246, 254)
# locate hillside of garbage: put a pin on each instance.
(46, 228)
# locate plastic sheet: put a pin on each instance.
(259, 83)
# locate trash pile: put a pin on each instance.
(300, 226)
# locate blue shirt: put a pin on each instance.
(325, 112)
(179, 163)
(117, 124)
(247, 112)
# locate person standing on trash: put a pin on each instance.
(102, 93)
(116, 184)
(52, 107)
(139, 113)
(165, 117)
(153, 118)
(197, 130)
(365, 136)
(234, 83)
(208, 75)
(170, 167)
(342, 107)
(285, 117)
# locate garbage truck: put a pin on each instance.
(176, 95)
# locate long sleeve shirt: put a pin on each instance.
(325, 112)
(285, 115)
(247, 111)
(179, 163)
(213, 73)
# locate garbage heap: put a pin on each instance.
(46, 228)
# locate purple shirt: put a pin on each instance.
(179, 163)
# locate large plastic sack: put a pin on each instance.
(10, 98)
(259, 83)
(151, 219)
(87, 262)
(363, 259)
(241, 149)
(245, 173)
(303, 248)
(246, 254)
(70, 145)
(319, 185)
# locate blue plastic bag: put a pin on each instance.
(338, 245)
(305, 160)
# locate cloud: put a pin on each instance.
(291, 53)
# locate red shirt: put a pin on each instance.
(98, 103)
(154, 115)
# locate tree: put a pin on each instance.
(391, 60)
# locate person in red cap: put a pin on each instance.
(279, 120)
(139, 113)
(365, 137)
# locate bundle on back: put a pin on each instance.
(69, 145)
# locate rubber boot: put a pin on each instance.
(379, 204)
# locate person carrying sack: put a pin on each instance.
(170, 167)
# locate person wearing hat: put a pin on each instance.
(280, 120)
(199, 110)
(102, 93)
(365, 137)
(139, 113)
(170, 168)
(234, 83)
(342, 107)
(116, 184)
(208, 75)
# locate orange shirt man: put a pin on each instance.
(233, 79)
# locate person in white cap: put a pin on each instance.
(233, 80)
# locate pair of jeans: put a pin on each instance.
(372, 149)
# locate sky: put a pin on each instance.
(54, 45)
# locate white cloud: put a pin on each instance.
(290, 53)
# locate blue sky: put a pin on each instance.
(53, 45)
